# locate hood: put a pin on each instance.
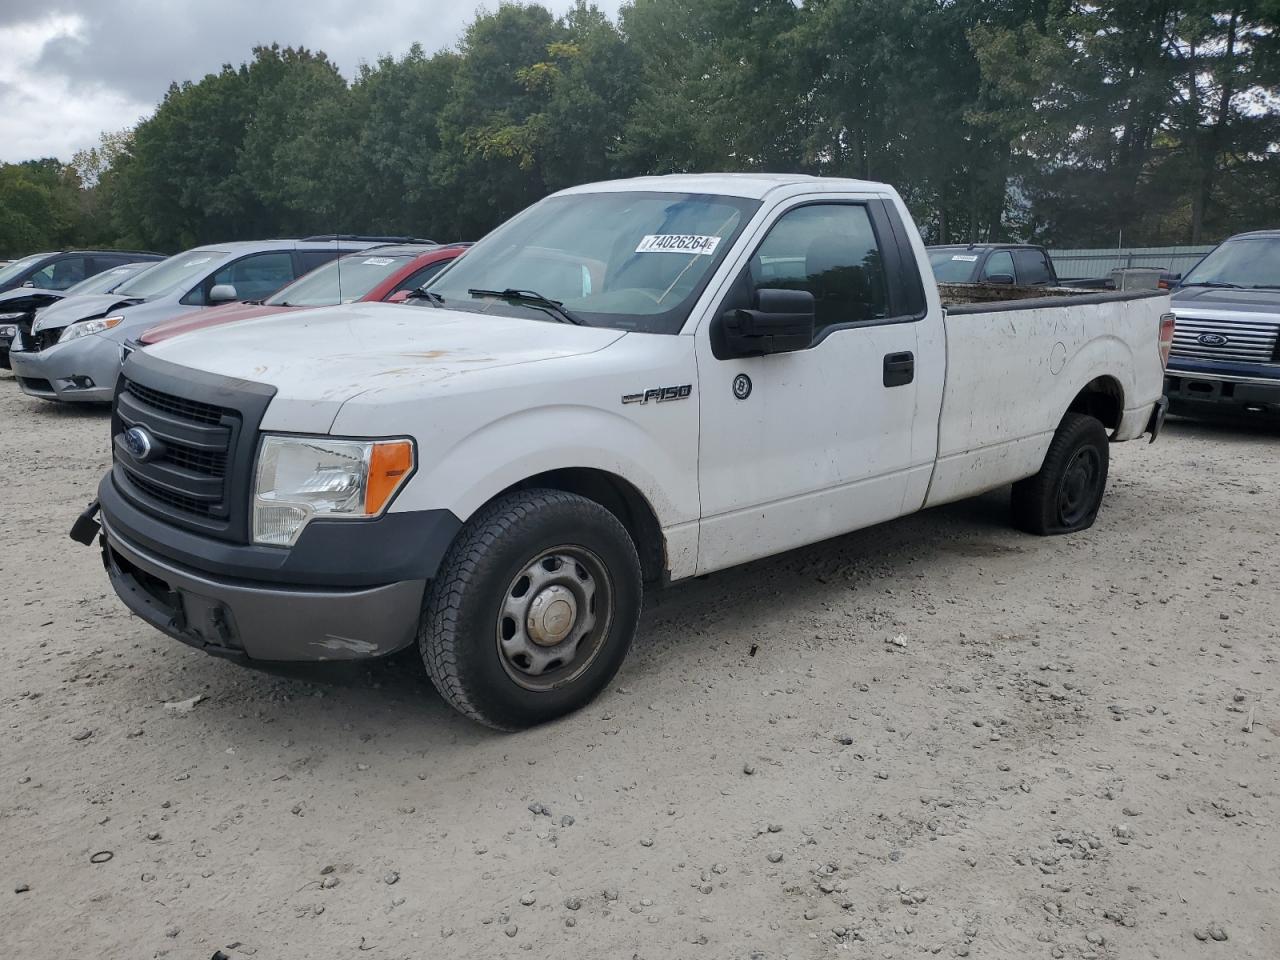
(27, 299)
(1191, 300)
(317, 359)
(211, 317)
(70, 310)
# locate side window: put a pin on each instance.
(415, 280)
(102, 262)
(60, 274)
(257, 276)
(310, 259)
(999, 264)
(1033, 269)
(829, 249)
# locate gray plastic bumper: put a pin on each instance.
(261, 621)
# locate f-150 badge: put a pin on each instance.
(659, 394)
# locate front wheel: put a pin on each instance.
(533, 609)
(1066, 494)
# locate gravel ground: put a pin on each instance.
(935, 737)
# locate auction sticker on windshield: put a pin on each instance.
(965, 259)
(379, 261)
(678, 243)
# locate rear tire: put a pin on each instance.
(1065, 496)
(533, 609)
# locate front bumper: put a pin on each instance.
(261, 621)
(346, 590)
(1209, 392)
(82, 370)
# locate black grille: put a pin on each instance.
(176, 500)
(192, 439)
(199, 461)
(178, 406)
(203, 430)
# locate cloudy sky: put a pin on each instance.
(70, 69)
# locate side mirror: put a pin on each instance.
(781, 322)
(1005, 279)
(29, 283)
(223, 293)
(400, 296)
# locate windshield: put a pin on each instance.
(631, 261)
(1251, 262)
(339, 281)
(106, 281)
(19, 267)
(180, 270)
(953, 266)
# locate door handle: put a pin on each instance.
(899, 369)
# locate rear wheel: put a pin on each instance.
(533, 609)
(1066, 494)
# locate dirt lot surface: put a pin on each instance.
(935, 737)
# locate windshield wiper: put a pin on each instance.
(533, 299)
(1220, 284)
(1265, 286)
(421, 293)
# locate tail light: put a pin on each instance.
(1167, 323)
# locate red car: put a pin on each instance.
(387, 273)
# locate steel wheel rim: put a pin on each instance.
(1078, 490)
(553, 617)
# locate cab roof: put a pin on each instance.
(250, 246)
(754, 186)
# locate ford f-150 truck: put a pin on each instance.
(629, 383)
(1226, 353)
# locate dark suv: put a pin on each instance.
(58, 271)
(1012, 263)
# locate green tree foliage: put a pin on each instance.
(1073, 122)
(40, 207)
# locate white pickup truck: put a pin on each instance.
(629, 383)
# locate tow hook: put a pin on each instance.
(86, 529)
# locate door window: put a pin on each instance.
(999, 264)
(315, 258)
(418, 279)
(830, 250)
(258, 276)
(1033, 267)
(60, 274)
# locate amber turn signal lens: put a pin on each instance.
(390, 462)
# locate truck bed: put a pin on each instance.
(1016, 358)
(978, 297)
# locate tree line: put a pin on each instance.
(1058, 121)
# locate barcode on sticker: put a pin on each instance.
(678, 243)
(379, 261)
(965, 259)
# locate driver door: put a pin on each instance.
(801, 446)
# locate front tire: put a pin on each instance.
(533, 609)
(1065, 496)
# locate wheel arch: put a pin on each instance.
(1101, 398)
(621, 498)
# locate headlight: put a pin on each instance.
(88, 327)
(11, 316)
(8, 331)
(304, 477)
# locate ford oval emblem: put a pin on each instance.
(139, 443)
(1213, 339)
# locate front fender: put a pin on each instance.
(525, 443)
